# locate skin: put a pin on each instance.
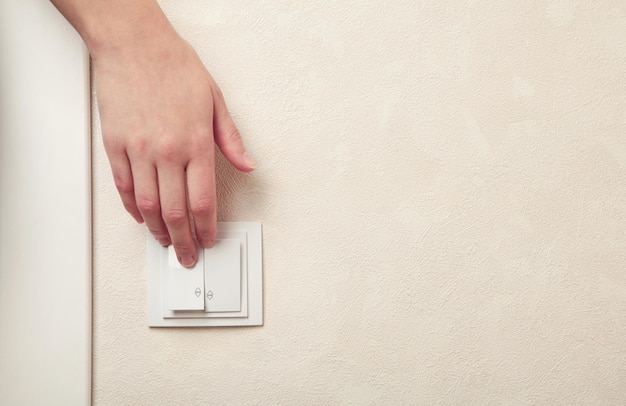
(162, 115)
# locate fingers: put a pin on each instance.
(148, 202)
(202, 201)
(174, 212)
(227, 136)
(123, 177)
(160, 200)
(156, 184)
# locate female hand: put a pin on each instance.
(161, 114)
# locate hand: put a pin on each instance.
(161, 114)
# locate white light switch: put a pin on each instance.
(184, 286)
(222, 276)
(225, 288)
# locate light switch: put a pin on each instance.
(222, 276)
(225, 288)
(184, 286)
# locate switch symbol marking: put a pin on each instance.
(198, 292)
(209, 295)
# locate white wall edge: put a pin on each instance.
(45, 208)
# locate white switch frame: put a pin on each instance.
(251, 276)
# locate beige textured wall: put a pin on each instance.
(442, 187)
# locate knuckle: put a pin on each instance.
(113, 142)
(203, 206)
(200, 147)
(169, 151)
(148, 206)
(174, 217)
(124, 186)
(139, 144)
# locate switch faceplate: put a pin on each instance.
(229, 276)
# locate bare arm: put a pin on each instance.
(161, 114)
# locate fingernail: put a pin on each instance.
(205, 241)
(187, 260)
(248, 160)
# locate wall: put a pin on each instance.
(45, 211)
(442, 187)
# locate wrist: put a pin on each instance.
(114, 27)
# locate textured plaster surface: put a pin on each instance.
(442, 187)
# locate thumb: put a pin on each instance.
(227, 137)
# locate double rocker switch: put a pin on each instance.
(224, 288)
(212, 285)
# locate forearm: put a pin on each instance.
(112, 25)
